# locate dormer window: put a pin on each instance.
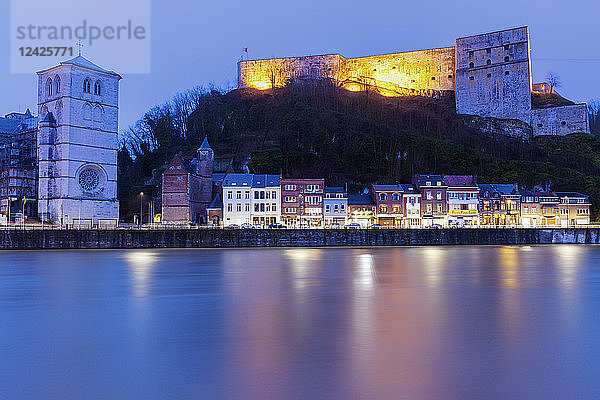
(87, 86)
(97, 88)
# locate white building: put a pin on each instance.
(265, 194)
(237, 199)
(77, 143)
(412, 206)
(463, 200)
(335, 206)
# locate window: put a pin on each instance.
(449, 76)
(274, 207)
(506, 59)
(239, 207)
(396, 197)
(289, 187)
(433, 78)
(506, 72)
(438, 195)
(396, 209)
(87, 86)
(256, 207)
(262, 194)
(540, 125)
(289, 199)
(506, 47)
(239, 194)
(439, 208)
(247, 194)
(327, 208)
(382, 197)
(488, 51)
(262, 207)
(255, 195)
(97, 88)
(429, 195)
(336, 208)
(49, 87)
(247, 207)
(273, 194)
(342, 207)
(563, 123)
(267, 195)
(57, 85)
(229, 207)
(488, 62)
(383, 209)
(470, 54)
(471, 65)
(489, 75)
(471, 78)
(428, 208)
(229, 194)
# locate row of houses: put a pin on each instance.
(194, 191)
(430, 201)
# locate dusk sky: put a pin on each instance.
(199, 42)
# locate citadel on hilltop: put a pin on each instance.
(490, 75)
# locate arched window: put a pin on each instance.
(49, 87)
(57, 85)
(489, 62)
(87, 112)
(87, 86)
(98, 113)
(471, 65)
(506, 59)
(97, 88)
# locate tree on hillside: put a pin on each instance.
(553, 80)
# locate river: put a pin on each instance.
(338, 323)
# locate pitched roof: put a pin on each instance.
(238, 180)
(216, 204)
(433, 179)
(334, 189)
(382, 188)
(83, 62)
(460, 180)
(409, 188)
(360, 199)
(500, 188)
(261, 180)
(205, 145)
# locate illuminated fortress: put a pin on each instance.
(489, 73)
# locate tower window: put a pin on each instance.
(506, 59)
(471, 54)
(471, 78)
(488, 51)
(87, 86)
(540, 125)
(471, 65)
(506, 72)
(489, 75)
(57, 85)
(563, 123)
(49, 87)
(506, 47)
(97, 88)
(488, 62)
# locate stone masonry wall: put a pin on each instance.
(560, 120)
(493, 76)
(218, 238)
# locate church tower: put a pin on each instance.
(204, 170)
(77, 142)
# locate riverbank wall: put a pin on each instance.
(219, 238)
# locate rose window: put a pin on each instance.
(89, 179)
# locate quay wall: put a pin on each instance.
(218, 238)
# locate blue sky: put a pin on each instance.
(199, 42)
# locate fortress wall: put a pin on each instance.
(424, 69)
(560, 120)
(264, 74)
(493, 77)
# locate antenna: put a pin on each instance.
(79, 46)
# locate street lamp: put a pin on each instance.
(141, 209)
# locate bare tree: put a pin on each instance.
(553, 80)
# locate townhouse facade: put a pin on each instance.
(434, 207)
(362, 210)
(335, 207)
(302, 202)
(389, 205)
(574, 209)
(499, 204)
(463, 200)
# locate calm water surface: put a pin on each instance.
(385, 323)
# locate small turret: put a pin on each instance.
(206, 158)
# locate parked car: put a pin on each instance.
(436, 226)
(375, 226)
(246, 226)
(353, 226)
(277, 226)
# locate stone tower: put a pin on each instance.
(204, 170)
(77, 142)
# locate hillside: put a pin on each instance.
(318, 130)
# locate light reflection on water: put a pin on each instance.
(384, 323)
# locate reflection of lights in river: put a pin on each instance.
(140, 266)
(509, 267)
(433, 261)
(365, 272)
(302, 265)
(568, 264)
